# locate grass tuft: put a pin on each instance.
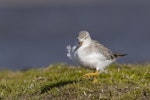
(61, 81)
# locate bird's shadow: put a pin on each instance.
(48, 87)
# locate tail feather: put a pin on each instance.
(119, 55)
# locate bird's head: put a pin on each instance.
(83, 38)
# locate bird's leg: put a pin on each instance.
(91, 74)
(95, 80)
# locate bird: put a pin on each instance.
(91, 54)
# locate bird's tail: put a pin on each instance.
(119, 55)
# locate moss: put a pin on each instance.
(61, 81)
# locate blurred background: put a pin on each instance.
(34, 33)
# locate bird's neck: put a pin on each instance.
(86, 43)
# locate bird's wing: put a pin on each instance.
(103, 50)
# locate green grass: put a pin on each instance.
(65, 82)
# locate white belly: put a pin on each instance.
(89, 60)
(92, 60)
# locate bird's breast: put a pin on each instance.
(90, 59)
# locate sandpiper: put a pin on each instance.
(91, 54)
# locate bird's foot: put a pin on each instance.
(90, 74)
(95, 80)
(95, 74)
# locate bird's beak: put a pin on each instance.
(80, 43)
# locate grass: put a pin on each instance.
(65, 82)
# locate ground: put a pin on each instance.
(65, 82)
